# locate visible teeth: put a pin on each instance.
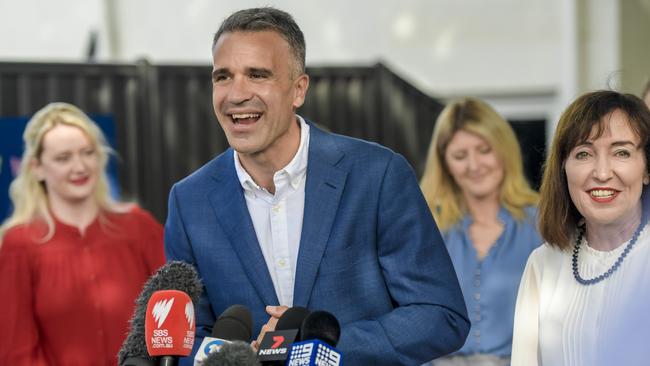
(245, 115)
(601, 193)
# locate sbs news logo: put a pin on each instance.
(161, 310)
(189, 314)
(162, 337)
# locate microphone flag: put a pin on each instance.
(275, 345)
(208, 346)
(314, 353)
(170, 325)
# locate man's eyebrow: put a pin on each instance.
(220, 71)
(260, 70)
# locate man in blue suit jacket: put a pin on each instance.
(294, 216)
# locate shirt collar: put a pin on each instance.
(294, 172)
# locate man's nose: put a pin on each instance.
(239, 91)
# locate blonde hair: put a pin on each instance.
(28, 194)
(444, 197)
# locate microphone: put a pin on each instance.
(173, 275)
(234, 324)
(274, 347)
(235, 353)
(321, 325)
(292, 319)
(170, 326)
(320, 334)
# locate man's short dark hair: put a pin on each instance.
(265, 19)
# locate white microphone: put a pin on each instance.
(234, 324)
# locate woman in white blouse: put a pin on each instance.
(584, 297)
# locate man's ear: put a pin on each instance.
(646, 178)
(300, 86)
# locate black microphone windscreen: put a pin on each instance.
(321, 325)
(173, 275)
(234, 324)
(292, 318)
(232, 354)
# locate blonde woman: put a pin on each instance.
(72, 259)
(485, 209)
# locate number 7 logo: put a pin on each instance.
(278, 341)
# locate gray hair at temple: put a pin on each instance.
(267, 19)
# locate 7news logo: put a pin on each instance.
(275, 345)
(275, 348)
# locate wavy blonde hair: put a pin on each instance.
(444, 197)
(28, 194)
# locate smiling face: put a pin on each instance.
(256, 91)
(605, 175)
(68, 165)
(474, 165)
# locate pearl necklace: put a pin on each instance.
(576, 249)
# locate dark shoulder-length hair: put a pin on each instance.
(558, 216)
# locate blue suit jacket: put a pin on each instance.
(370, 252)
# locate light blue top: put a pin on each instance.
(490, 285)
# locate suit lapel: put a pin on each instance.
(323, 189)
(230, 208)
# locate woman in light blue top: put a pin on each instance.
(475, 187)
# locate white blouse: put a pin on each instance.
(561, 322)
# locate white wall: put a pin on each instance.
(441, 45)
(522, 54)
(45, 30)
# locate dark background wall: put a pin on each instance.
(165, 126)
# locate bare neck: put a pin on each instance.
(484, 210)
(262, 166)
(79, 215)
(610, 237)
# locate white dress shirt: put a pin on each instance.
(277, 218)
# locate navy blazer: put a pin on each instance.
(370, 253)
